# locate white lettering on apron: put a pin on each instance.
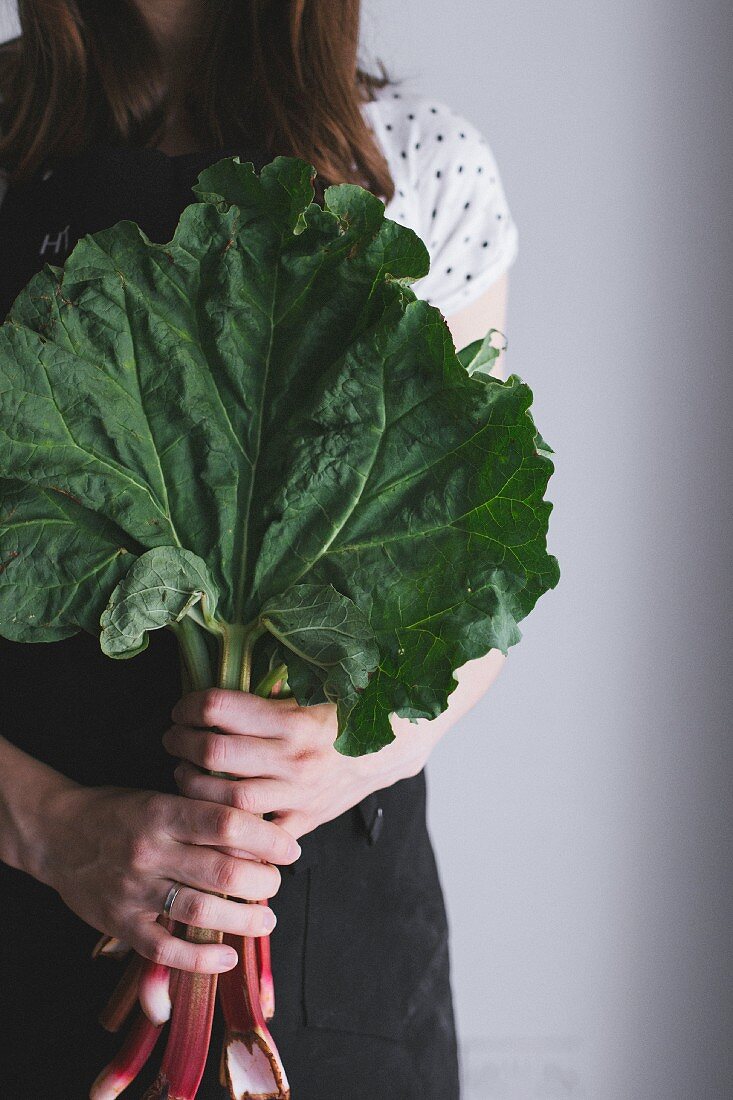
(56, 243)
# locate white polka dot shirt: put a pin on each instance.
(448, 189)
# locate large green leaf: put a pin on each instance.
(480, 355)
(324, 638)
(58, 563)
(266, 393)
(159, 588)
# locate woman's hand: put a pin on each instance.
(112, 853)
(281, 755)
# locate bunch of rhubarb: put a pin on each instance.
(281, 457)
(250, 1065)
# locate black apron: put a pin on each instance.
(360, 951)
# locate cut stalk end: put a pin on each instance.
(253, 1067)
(110, 947)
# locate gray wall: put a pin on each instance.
(9, 26)
(581, 813)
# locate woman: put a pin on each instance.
(110, 111)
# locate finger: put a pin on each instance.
(296, 823)
(207, 869)
(209, 911)
(155, 943)
(234, 712)
(254, 794)
(240, 853)
(197, 821)
(237, 754)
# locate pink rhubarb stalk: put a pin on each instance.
(185, 1055)
(254, 1069)
(267, 985)
(129, 1060)
(271, 685)
(154, 992)
(123, 998)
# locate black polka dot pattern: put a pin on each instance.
(449, 190)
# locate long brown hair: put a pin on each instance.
(279, 74)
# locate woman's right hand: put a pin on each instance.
(113, 853)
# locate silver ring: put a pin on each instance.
(172, 895)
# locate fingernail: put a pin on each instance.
(227, 958)
(178, 771)
(269, 920)
(295, 850)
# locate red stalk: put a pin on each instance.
(123, 998)
(188, 1041)
(142, 979)
(254, 1070)
(223, 1081)
(267, 985)
(129, 1060)
(154, 992)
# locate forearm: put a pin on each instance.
(27, 787)
(414, 741)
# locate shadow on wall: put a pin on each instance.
(517, 1068)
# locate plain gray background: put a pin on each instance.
(581, 813)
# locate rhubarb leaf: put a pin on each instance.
(323, 635)
(481, 354)
(160, 588)
(265, 396)
(58, 563)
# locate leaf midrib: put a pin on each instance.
(240, 586)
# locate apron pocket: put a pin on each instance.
(376, 940)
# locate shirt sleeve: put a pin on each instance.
(449, 190)
(463, 214)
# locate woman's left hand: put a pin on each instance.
(281, 754)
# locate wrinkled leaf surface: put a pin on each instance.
(265, 395)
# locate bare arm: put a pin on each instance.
(26, 787)
(488, 311)
(476, 677)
